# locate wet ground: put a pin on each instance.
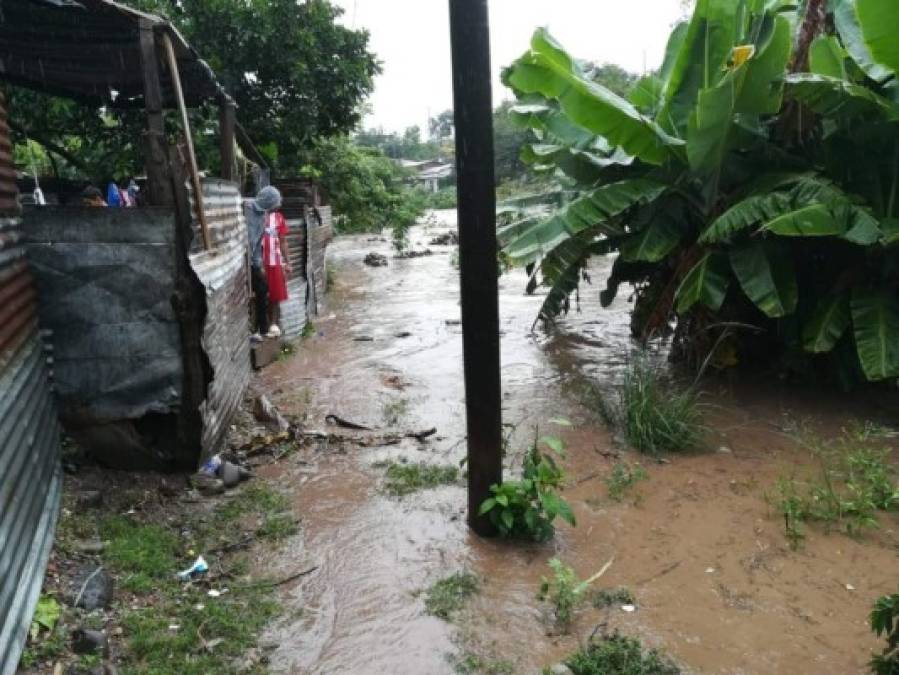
(717, 585)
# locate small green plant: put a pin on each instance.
(624, 476)
(526, 508)
(656, 416)
(885, 623)
(608, 597)
(472, 664)
(449, 594)
(308, 330)
(564, 592)
(405, 478)
(394, 410)
(617, 654)
(792, 507)
(287, 350)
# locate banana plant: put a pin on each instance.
(692, 183)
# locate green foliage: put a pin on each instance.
(448, 595)
(405, 478)
(143, 554)
(855, 482)
(885, 622)
(623, 478)
(619, 655)
(46, 614)
(367, 189)
(445, 198)
(394, 410)
(756, 215)
(607, 597)
(473, 664)
(526, 508)
(564, 591)
(657, 416)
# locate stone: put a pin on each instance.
(560, 669)
(230, 474)
(89, 547)
(92, 589)
(90, 498)
(87, 641)
(264, 411)
(375, 260)
(207, 485)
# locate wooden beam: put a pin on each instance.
(188, 139)
(250, 151)
(159, 187)
(227, 120)
(470, 38)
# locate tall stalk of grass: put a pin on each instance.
(657, 416)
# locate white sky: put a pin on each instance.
(411, 38)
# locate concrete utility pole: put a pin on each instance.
(473, 106)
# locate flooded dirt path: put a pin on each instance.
(717, 585)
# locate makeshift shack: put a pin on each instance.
(146, 307)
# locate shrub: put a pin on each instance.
(616, 654)
(885, 622)
(448, 595)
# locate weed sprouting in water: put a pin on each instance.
(855, 482)
(623, 478)
(564, 591)
(394, 410)
(617, 654)
(404, 478)
(526, 508)
(608, 597)
(448, 595)
(656, 416)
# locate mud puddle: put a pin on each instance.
(716, 584)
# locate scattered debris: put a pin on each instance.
(90, 498)
(346, 424)
(207, 485)
(363, 338)
(453, 322)
(268, 414)
(89, 547)
(375, 260)
(402, 334)
(95, 590)
(414, 254)
(199, 567)
(450, 238)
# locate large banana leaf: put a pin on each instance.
(593, 210)
(766, 275)
(562, 270)
(827, 57)
(706, 283)
(847, 23)
(549, 71)
(696, 57)
(879, 21)
(659, 236)
(836, 218)
(834, 97)
(827, 323)
(762, 90)
(875, 322)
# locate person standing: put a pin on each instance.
(255, 212)
(276, 257)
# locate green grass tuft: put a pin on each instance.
(657, 417)
(142, 554)
(607, 597)
(620, 655)
(623, 478)
(449, 594)
(404, 479)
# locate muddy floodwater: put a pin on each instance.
(716, 583)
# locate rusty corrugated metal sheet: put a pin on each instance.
(319, 232)
(223, 272)
(30, 479)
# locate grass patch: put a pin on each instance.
(406, 478)
(448, 595)
(617, 654)
(472, 664)
(610, 597)
(623, 478)
(308, 330)
(656, 416)
(855, 481)
(141, 554)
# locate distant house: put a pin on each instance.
(430, 172)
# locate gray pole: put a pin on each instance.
(473, 105)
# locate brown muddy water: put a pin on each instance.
(716, 583)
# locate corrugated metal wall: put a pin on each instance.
(319, 233)
(293, 310)
(223, 272)
(30, 475)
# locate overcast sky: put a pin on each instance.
(411, 38)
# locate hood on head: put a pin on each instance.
(268, 198)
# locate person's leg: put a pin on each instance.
(260, 290)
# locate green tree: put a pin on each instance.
(509, 139)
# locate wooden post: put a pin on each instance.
(159, 188)
(227, 121)
(188, 139)
(470, 38)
